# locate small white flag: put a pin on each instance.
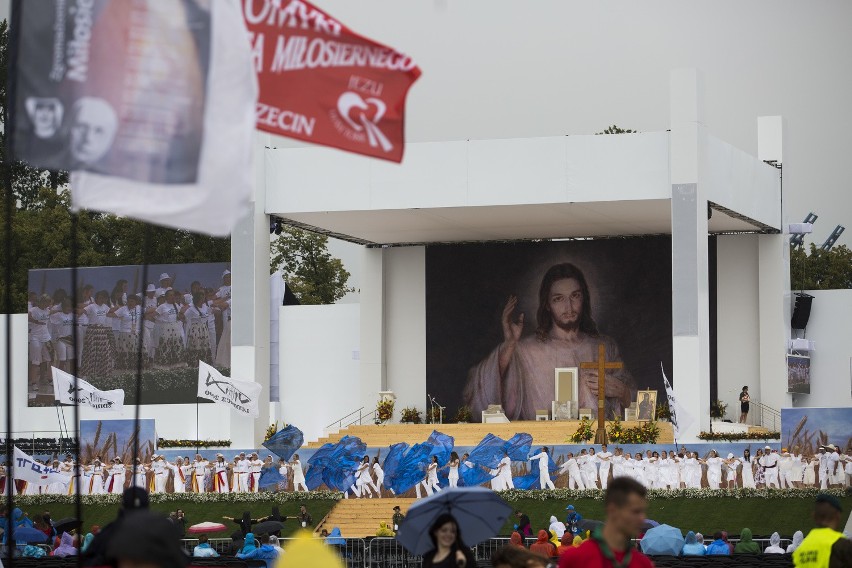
(681, 419)
(241, 396)
(29, 470)
(85, 394)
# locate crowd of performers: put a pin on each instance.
(434, 465)
(178, 328)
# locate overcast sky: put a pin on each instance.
(514, 68)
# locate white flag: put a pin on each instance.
(27, 469)
(681, 419)
(85, 394)
(182, 146)
(241, 396)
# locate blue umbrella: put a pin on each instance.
(28, 534)
(479, 512)
(664, 539)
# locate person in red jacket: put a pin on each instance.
(543, 546)
(611, 545)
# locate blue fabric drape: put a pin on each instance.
(335, 464)
(285, 442)
(518, 446)
(442, 447)
(488, 452)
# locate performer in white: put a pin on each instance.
(769, 461)
(848, 468)
(453, 476)
(575, 480)
(835, 469)
(693, 471)
(505, 469)
(380, 474)
(96, 482)
(798, 468)
(363, 479)
(141, 475)
(58, 488)
(148, 307)
(115, 481)
(178, 476)
(714, 469)
(223, 303)
(199, 474)
(298, 474)
(785, 470)
(617, 461)
(431, 483)
(284, 472)
(605, 459)
(747, 472)
(731, 466)
(255, 466)
(62, 335)
(220, 475)
(183, 476)
(543, 475)
(39, 339)
(639, 469)
(586, 462)
(243, 467)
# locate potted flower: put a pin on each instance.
(664, 413)
(463, 416)
(718, 409)
(410, 415)
(384, 410)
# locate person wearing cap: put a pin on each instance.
(255, 467)
(168, 334)
(161, 474)
(243, 468)
(825, 546)
(836, 460)
(199, 474)
(115, 481)
(220, 475)
(769, 461)
(785, 469)
(129, 318)
(223, 303)
(732, 464)
(165, 283)
(141, 474)
(397, 518)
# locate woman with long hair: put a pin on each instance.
(380, 476)
(448, 549)
(168, 334)
(454, 469)
(747, 471)
(98, 358)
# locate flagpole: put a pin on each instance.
(197, 441)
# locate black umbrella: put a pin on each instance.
(66, 525)
(589, 524)
(267, 527)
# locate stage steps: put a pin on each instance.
(544, 432)
(359, 518)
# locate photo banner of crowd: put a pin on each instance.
(182, 313)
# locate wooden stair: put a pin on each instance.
(359, 518)
(544, 432)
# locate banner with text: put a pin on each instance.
(29, 470)
(241, 396)
(681, 419)
(86, 394)
(321, 82)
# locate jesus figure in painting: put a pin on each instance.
(519, 373)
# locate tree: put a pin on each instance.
(821, 270)
(311, 272)
(616, 130)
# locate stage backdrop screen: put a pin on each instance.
(174, 338)
(501, 317)
(804, 430)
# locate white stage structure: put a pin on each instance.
(539, 188)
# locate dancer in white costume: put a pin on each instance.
(575, 480)
(769, 461)
(298, 474)
(432, 476)
(714, 469)
(243, 467)
(380, 477)
(505, 469)
(747, 473)
(96, 482)
(199, 474)
(543, 459)
(220, 475)
(255, 465)
(453, 476)
(605, 459)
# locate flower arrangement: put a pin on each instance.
(184, 443)
(463, 415)
(718, 409)
(663, 411)
(646, 433)
(663, 494)
(115, 499)
(270, 431)
(736, 437)
(410, 415)
(584, 432)
(384, 410)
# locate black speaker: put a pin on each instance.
(802, 311)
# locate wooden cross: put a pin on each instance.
(601, 365)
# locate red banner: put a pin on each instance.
(321, 82)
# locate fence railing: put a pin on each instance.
(765, 416)
(384, 552)
(355, 417)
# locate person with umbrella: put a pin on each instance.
(625, 503)
(448, 550)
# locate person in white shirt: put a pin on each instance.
(242, 469)
(604, 458)
(200, 331)
(835, 469)
(168, 334)
(141, 475)
(380, 474)
(431, 483)
(570, 467)
(98, 358)
(362, 479)
(96, 479)
(62, 335)
(639, 464)
(115, 481)
(255, 466)
(40, 347)
(785, 469)
(731, 466)
(129, 319)
(223, 303)
(199, 474)
(149, 304)
(543, 458)
(298, 474)
(747, 472)
(183, 474)
(165, 284)
(769, 461)
(847, 468)
(505, 469)
(714, 469)
(220, 475)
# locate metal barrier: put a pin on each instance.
(482, 552)
(385, 552)
(220, 545)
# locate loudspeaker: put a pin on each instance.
(802, 311)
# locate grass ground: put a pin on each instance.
(195, 512)
(762, 516)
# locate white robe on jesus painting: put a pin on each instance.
(528, 383)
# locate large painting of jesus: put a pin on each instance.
(502, 317)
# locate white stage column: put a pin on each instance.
(690, 275)
(250, 304)
(373, 364)
(775, 299)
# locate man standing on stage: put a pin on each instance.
(769, 461)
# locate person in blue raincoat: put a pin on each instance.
(572, 520)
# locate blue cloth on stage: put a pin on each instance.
(335, 464)
(269, 477)
(489, 451)
(391, 463)
(518, 446)
(442, 447)
(531, 480)
(408, 470)
(473, 476)
(285, 442)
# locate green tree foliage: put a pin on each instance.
(820, 270)
(311, 272)
(617, 130)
